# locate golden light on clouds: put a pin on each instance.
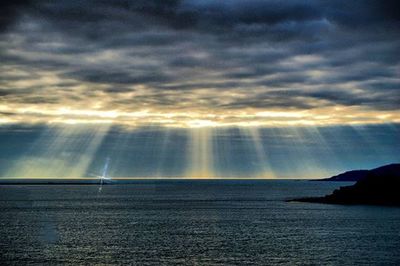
(230, 87)
(187, 79)
(50, 114)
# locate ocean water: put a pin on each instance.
(231, 222)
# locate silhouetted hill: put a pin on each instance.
(354, 176)
(379, 187)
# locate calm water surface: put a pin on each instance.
(192, 222)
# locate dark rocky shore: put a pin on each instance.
(380, 186)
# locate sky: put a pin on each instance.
(193, 77)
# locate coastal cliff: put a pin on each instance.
(380, 186)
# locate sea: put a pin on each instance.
(192, 222)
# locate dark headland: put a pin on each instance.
(379, 186)
(351, 176)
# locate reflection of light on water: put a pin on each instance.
(104, 176)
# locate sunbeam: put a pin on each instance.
(262, 163)
(60, 152)
(201, 153)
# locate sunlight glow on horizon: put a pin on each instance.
(196, 118)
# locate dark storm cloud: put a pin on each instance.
(254, 53)
(361, 13)
(10, 10)
(207, 15)
(118, 77)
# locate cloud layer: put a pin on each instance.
(195, 63)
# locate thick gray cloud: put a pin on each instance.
(200, 55)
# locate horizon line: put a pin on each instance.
(161, 178)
